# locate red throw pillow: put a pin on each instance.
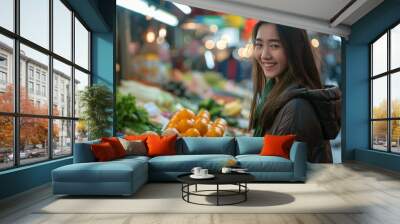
(103, 151)
(161, 145)
(276, 145)
(116, 145)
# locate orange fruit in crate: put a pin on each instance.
(184, 113)
(214, 132)
(222, 127)
(192, 132)
(221, 121)
(170, 131)
(201, 125)
(174, 118)
(184, 125)
(203, 113)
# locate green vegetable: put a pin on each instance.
(212, 106)
(132, 117)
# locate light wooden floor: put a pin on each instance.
(378, 188)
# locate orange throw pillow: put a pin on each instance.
(161, 145)
(103, 152)
(136, 137)
(277, 145)
(116, 145)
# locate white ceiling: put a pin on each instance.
(314, 15)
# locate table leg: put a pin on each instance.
(196, 188)
(245, 193)
(217, 194)
(188, 189)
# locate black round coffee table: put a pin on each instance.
(238, 179)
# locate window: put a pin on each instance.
(3, 78)
(37, 74)
(62, 75)
(3, 61)
(62, 29)
(38, 89)
(30, 72)
(6, 89)
(44, 91)
(7, 14)
(35, 22)
(81, 45)
(30, 87)
(3, 71)
(385, 94)
(54, 125)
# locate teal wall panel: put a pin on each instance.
(24, 178)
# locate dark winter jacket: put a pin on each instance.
(313, 116)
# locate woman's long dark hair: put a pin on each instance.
(301, 70)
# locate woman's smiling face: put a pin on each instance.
(269, 52)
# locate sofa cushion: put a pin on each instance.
(257, 163)
(161, 145)
(116, 145)
(277, 145)
(133, 157)
(83, 152)
(207, 145)
(134, 147)
(249, 145)
(185, 163)
(112, 171)
(103, 152)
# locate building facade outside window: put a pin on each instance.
(46, 124)
(385, 91)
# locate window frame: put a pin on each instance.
(16, 114)
(388, 74)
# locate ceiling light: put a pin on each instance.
(184, 8)
(315, 43)
(144, 8)
(221, 44)
(162, 32)
(209, 44)
(150, 37)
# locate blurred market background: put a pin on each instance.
(188, 70)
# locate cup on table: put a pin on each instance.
(226, 170)
(196, 171)
(203, 172)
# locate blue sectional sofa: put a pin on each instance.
(125, 176)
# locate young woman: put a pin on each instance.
(288, 94)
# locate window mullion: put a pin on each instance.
(50, 81)
(389, 93)
(73, 83)
(16, 84)
(371, 89)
